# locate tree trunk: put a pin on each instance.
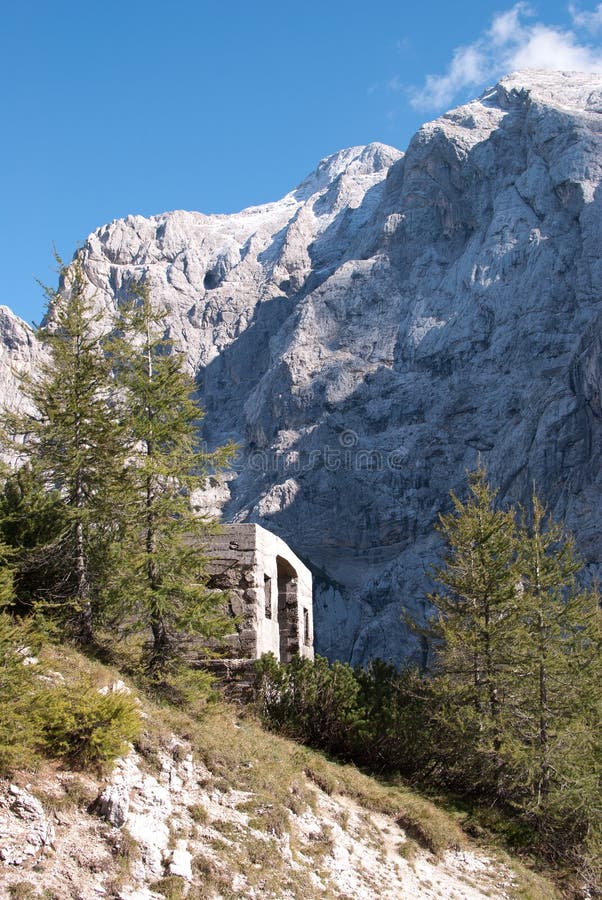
(544, 767)
(82, 591)
(81, 562)
(492, 691)
(157, 619)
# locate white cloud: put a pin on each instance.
(547, 48)
(506, 26)
(589, 20)
(512, 42)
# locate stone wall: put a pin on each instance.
(269, 593)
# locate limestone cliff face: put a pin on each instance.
(19, 354)
(367, 336)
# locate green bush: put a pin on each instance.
(311, 702)
(73, 722)
(401, 722)
(397, 714)
(179, 685)
(87, 728)
(19, 711)
(375, 717)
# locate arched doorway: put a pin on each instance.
(288, 611)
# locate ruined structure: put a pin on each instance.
(269, 595)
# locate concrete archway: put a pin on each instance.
(269, 595)
(288, 609)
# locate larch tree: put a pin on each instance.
(475, 621)
(517, 670)
(162, 565)
(6, 576)
(32, 522)
(559, 647)
(72, 438)
(18, 720)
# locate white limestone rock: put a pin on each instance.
(116, 687)
(143, 893)
(367, 336)
(147, 805)
(113, 804)
(20, 353)
(361, 859)
(25, 829)
(180, 862)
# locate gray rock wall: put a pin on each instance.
(365, 338)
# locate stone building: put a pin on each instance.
(269, 594)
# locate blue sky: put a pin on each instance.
(141, 107)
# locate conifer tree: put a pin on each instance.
(557, 684)
(474, 628)
(516, 701)
(32, 523)
(6, 576)
(162, 564)
(18, 720)
(72, 438)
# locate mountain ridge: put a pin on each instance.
(366, 337)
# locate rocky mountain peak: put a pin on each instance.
(367, 336)
(363, 160)
(579, 92)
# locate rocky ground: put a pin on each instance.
(147, 836)
(215, 807)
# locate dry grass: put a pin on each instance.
(22, 890)
(284, 779)
(241, 755)
(73, 666)
(172, 888)
(276, 770)
(198, 814)
(213, 880)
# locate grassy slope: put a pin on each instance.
(284, 779)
